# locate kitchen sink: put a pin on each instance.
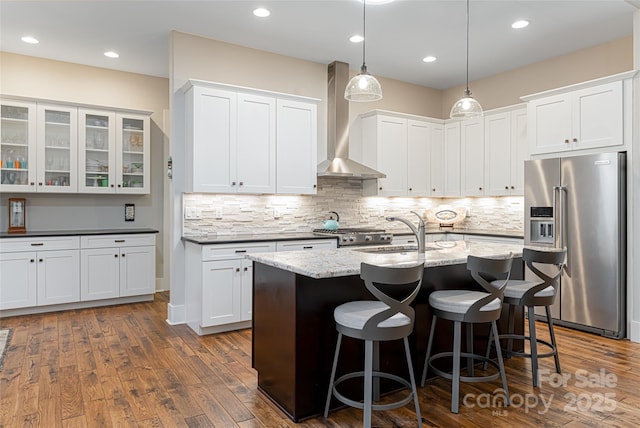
(388, 250)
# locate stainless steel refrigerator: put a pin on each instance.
(579, 203)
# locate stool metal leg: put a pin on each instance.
(455, 381)
(488, 352)
(512, 309)
(469, 329)
(368, 380)
(333, 375)
(553, 340)
(503, 375)
(376, 368)
(414, 389)
(534, 346)
(430, 343)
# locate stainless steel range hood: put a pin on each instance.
(338, 163)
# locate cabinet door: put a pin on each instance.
(550, 124)
(519, 150)
(100, 273)
(256, 144)
(17, 146)
(211, 139)
(452, 159)
(472, 160)
(597, 116)
(246, 305)
(436, 161)
(96, 153)
(137, 271)
(297, 134)
(497, 146)
(133, 160)
(58, 277)
(418, 145)
(57, 149)
(18, 280)
(221, 292)
(392, 156)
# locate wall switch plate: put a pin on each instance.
(218, 213)
(381, 212)
(192, 213)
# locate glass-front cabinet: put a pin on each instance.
(132, 148)
(97, 146)
(17, 146)
(57, 149)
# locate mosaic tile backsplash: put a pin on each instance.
(218, 214)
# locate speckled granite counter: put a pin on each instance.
(344, 262)
(257, 237)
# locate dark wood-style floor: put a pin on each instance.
(125, 366)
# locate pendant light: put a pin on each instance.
(363, 87)
(466, 106)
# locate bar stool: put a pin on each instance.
(541, 292)
(470, 307)
(375, 321)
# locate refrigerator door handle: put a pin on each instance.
(556, 217)
(562, 190)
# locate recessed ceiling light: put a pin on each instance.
(30, 40)
(356, 38)
(377, 2)
(429, 58)
(261, 12)
(111, 54)
(520, 24)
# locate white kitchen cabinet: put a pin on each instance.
(296, 147)
(472, 156)
(117, 266)
(18, 146)
(452, 178)
(219, 285)
(505, 144)
(399, 146)
(584, 118)
(57, 155)
(113, 152)
(39, 271)
(437, 161)
(307, 244)
(233, 135)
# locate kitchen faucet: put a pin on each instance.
(419, 232)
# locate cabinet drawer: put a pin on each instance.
(309, 244)
(124, 240)
(10, 245)
(226, 251)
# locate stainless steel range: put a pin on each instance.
(357, 236)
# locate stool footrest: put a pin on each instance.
(359, 404)
(482, 358)
(524, 354)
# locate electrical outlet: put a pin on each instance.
(381, 212)
(469, 214)
(277, 212)
(218, 213)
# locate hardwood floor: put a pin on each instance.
(124, 366)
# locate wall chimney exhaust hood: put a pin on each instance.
(338, 163)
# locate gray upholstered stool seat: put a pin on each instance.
(540, 291)
(470, 307)
(375, 321)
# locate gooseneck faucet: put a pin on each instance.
(419, 232)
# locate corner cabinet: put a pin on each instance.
(585, 116)
(242, 140)
(59, 148)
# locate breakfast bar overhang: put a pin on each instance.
(294, 333)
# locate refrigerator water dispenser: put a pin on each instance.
(542, 231)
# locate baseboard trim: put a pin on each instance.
(634, 333)
(175, 314)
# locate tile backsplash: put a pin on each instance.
(208, 214)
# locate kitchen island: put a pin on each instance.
(294, 333)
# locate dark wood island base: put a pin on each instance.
(294, 334)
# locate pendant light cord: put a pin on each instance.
(467, 90)
(364, 33)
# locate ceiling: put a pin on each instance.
(399, 34)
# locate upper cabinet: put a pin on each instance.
(248, 141)
(585, 116)
(58, 148)
(472, 156)
(452, 159)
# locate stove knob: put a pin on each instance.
(352, 238)
(367, 238)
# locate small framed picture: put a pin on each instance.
(17, 215)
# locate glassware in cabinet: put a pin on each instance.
(17, 145)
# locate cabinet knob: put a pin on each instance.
(123, 255)
(246, 269)
(119, 185)
(566, 141)
(32, 183)
(479, 188)
(112, 185)
(115, 255)
(410, 189)
(575, 140)
(237, 269)
(233, 183)
(506, 187)
(512, 187)
(433, 190)
(315, 186)
(379, 188)
(40, 260)
(32, 261)
(241, 183)
(39, 184)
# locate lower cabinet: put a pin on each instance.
(117, 266)
(48, 276)
(56, 273)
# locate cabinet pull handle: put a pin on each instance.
(241, 251)
(308, 247)
(37, 244)
(119, 240)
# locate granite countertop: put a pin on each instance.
(344, 262)
(258, 237)
(76, 232)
